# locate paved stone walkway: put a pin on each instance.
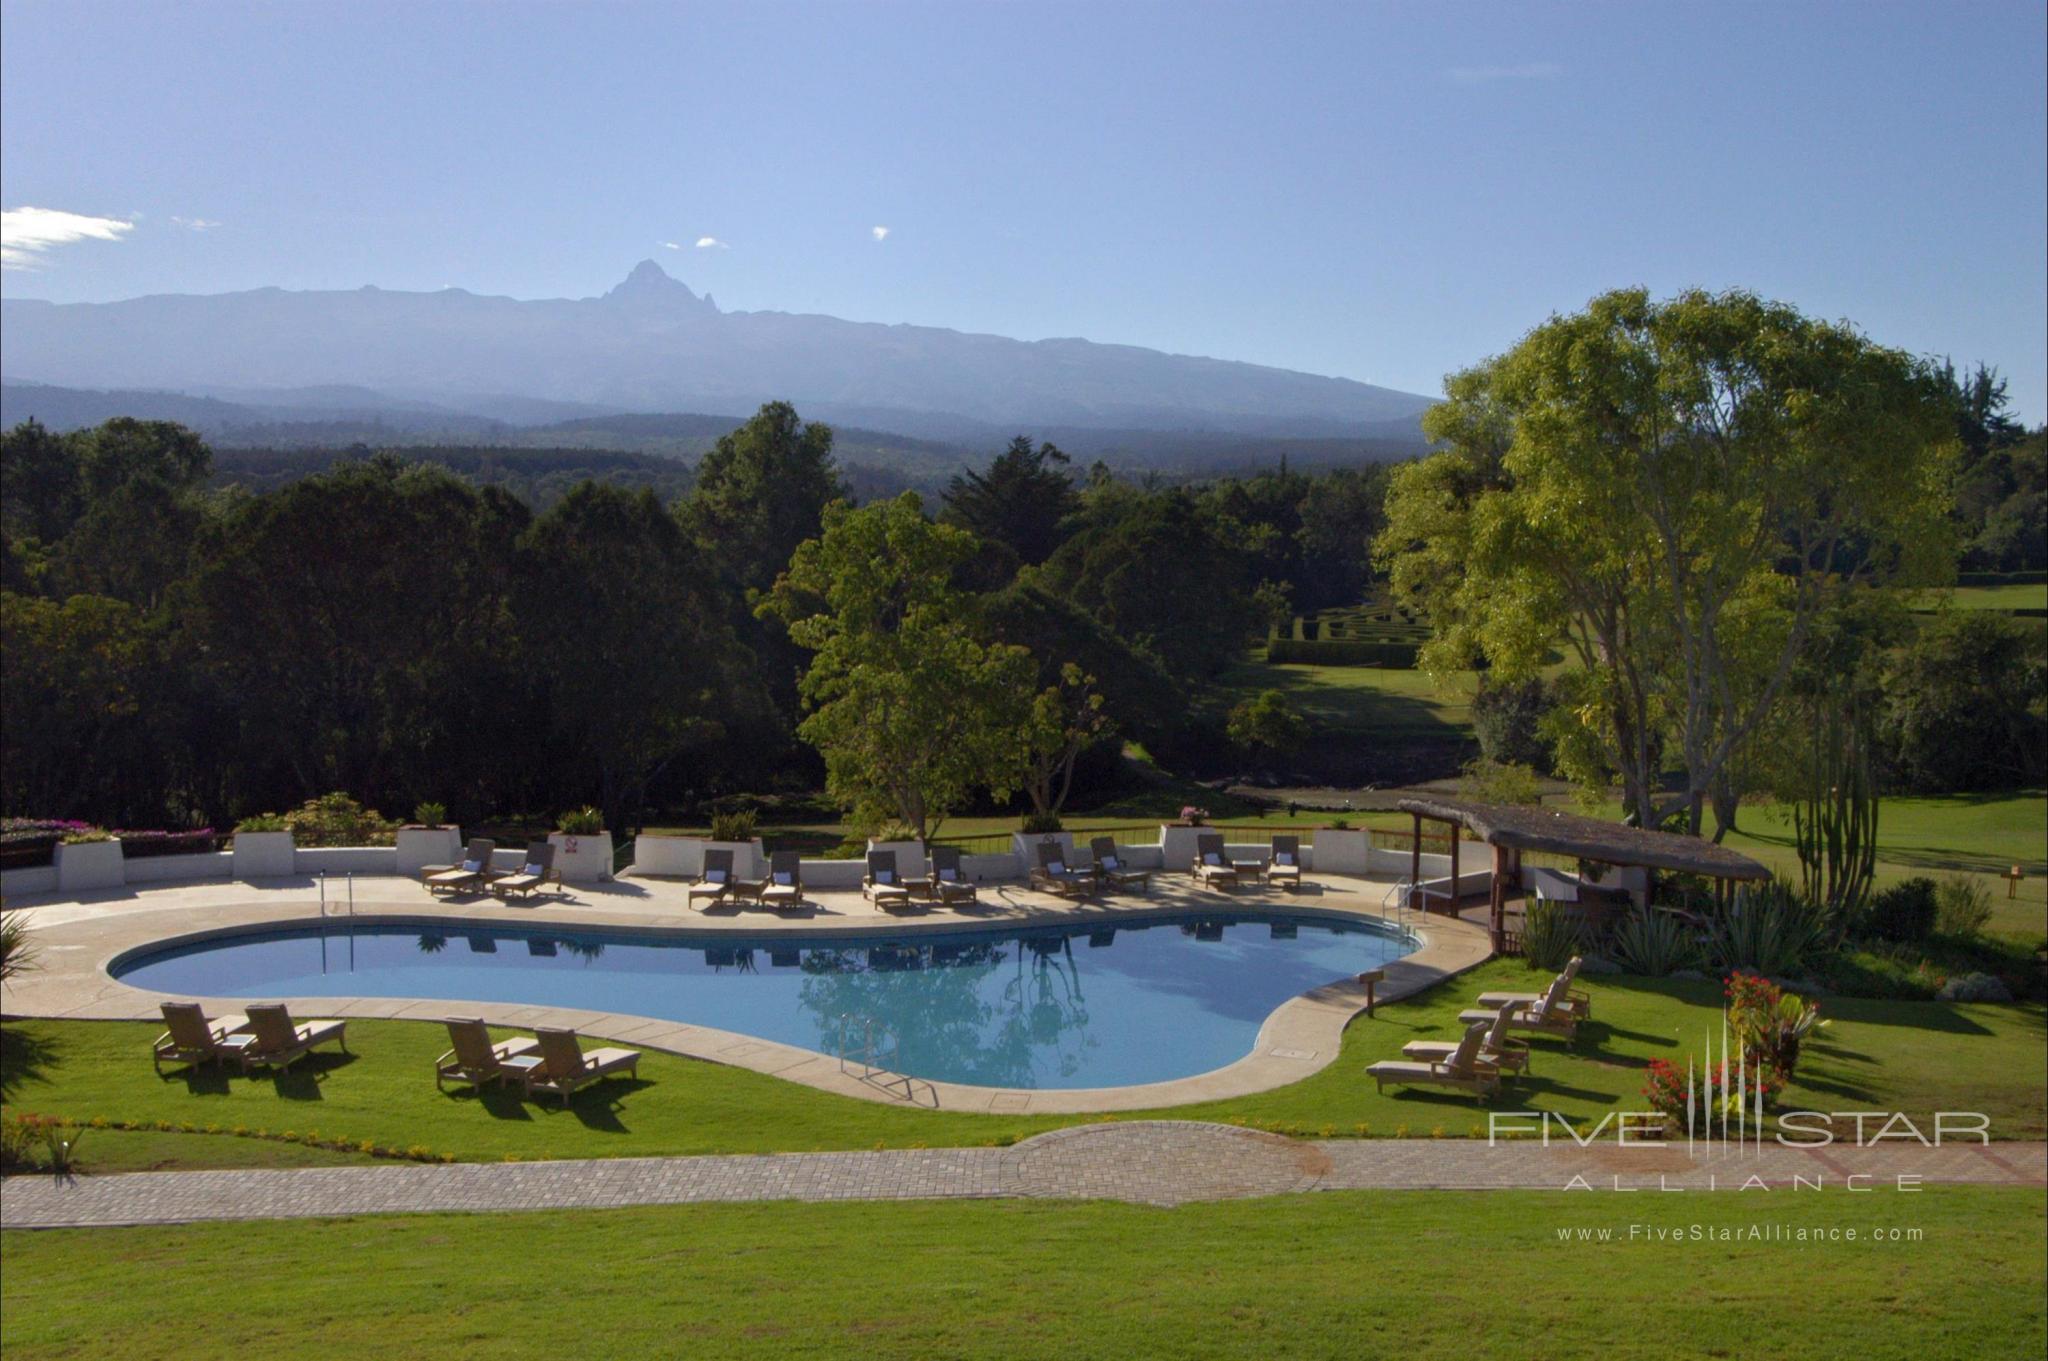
(1148, 1162)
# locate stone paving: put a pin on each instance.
(1148, 1162)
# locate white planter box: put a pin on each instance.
(419, 847)
(263, 855)
(909, 857)
(582, 859)
(1177, 845)
(1343, 851)
(1024, 845)
(90, 865)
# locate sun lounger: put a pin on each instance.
(1211, 865)
(280, 1042)
(192, 1039)
(1534, 1019)
(1052, 874)
(1463, 1071)
(473, 873)
(565, 1066)
(949, 883)
(1286, 862)
(882, 884)
(784, 886)
(1111, 870)
(476, 1058)
(1508, 1055)
(532, 875)
(1559, 996)
(715, 884)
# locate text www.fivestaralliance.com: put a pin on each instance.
(1672, 1235)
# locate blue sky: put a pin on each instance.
(1385, 192)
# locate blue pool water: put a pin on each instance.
(1101, 1007)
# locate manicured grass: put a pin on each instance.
(104, 1151)
(1413, 1274)
(1918, 1057)
(1386, 702)
(2006, 597)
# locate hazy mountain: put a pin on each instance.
(653, 345)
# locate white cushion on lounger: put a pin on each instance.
(531, 867)
(784, 877)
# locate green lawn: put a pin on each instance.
(1414, 1274)
(1913, 1056)
(1386, 702)
(2007, 597)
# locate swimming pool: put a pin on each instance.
(1144, 1001)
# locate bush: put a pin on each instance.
(430, 814)
(1974, 987)
(1489, 781)
(338, 820)
(1193, 816)
(141, 845)
(263, 822)
(1767, 929)
(1342, 652)
(1506, 720)
(1770, 1023)
(1961, 706)
(1961, 906)
(1036, 823)
(1653, 944)
(584, 821)
(87, 836)
(1268, 721)
(1550, 936)
(1904, 913)
(734, 826)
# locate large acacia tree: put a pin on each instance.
(1674, 491)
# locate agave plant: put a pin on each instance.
(1550, 937)
(17, 954)
(1767, 929)
(1654, 944)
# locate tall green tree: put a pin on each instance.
(621, 620)
(1676, 489)
(762, 491)
(910, 707)
(1020, 502)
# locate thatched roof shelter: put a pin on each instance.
(1606, 843)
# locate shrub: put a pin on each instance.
(1905, 912)
(734, 826)
(138, 845)
(1961, 906)
(1974, 987)
(1653, 944)
(1341, 652)
(338, 820)
(1036, 823)
(87, 836)
(1550, 936)
(584, 821)
(1770, 1022)
(1193, 816)
(430, 814)
(1506, 719)
(17, 954)
(1712, 1091)
(1766, 929)
(1491, 781)
(1962, 705)
(1268, 721)
(894, 831)
(263, 822)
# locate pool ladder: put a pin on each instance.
(867, 1053)
(338, 905)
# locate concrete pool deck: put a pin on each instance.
(79, 936)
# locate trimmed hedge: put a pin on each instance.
(1342, 652)
(2036, 578)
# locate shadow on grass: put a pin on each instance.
(499, 1102)
(25, 1056)
(301, 1082)
(596, 1106)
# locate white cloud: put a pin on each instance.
(28, 235)
(195, 224)
(880, 233)
(711, 243)
(1480, 75)
(671, 245)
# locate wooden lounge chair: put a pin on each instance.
(949, 883)
(1559, 995)
(1508, 1055)
(476, 1058)
(281, 1043)
(532, 875)
(1463, 1071)
(192, 1039)
(1538, 1019)
(1111, 870)
(715, 884)
(565, 1066)
(1286, 861)
(882, 885)
(1052, 874)
(784, 886)
(473, 873)
(1211, 865)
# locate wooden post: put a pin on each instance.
(1371, 979)
(1456, 830)
(1497, 902)
(1415, 865)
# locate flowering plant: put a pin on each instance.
(1193, 816)
(1717, 1092)
(1770, 1022)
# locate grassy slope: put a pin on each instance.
(1415, 1274)
(1912, 1056)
